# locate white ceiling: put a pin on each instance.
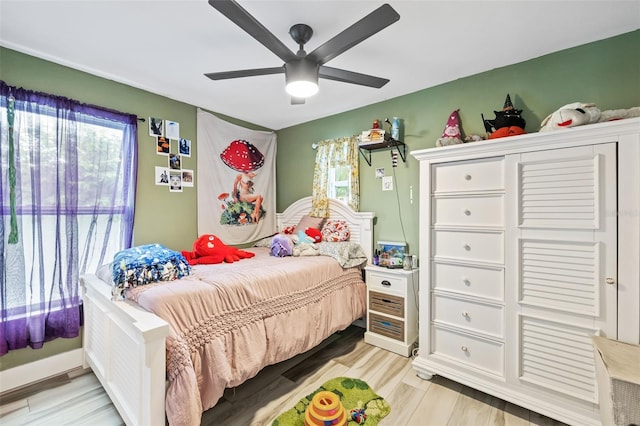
(165, 46)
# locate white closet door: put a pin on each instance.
(563, 264)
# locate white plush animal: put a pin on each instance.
(571, 115)
(619, 114)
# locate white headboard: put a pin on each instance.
(360, 223)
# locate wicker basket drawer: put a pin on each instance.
(386, 304)
(386, 326)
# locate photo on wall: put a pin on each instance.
(175, 162)
(162, 176)
(175, 181)
(156, 126)
(187, 177)
(172, 129)
(184, 147)
(163, 145)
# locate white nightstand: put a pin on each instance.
(392, 314)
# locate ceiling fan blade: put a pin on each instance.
(297, 101)
(376, 21)
(248, 23)
(351, 77)
(223, 75)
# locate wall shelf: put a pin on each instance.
(389, 143)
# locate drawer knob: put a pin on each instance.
(386, 283)
(466, 281)
(610, 281)
(467, 177)
(466, 314)
(467, 212)
(464, 349)
(467, 247)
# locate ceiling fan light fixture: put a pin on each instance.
(302, 78)
(301, 88)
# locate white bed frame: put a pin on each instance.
(125, 345)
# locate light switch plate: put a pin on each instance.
(387, 183)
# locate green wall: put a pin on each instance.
(605, 72)
(161, 216)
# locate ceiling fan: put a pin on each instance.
(302, 70)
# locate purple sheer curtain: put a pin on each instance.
(67, 193)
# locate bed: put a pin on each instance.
(148, 365)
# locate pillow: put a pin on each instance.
(105, 273)
(335, 230)
(309, 222)
(348, 254)
(264, 242)
(146, 264)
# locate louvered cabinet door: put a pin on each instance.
(562, 266)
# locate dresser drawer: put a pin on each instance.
(474, 281)
(478, 353)
(469, 211)
(385, 326)
(386, 304)
(473, 175)
(387, 283)
(479, 317)
(468, 245)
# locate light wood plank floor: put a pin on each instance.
(78, 399)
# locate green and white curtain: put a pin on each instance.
(331, 154)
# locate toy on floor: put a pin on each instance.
(358, 415)
(325, 409)
(209, 249)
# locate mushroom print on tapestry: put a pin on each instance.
(236, 180)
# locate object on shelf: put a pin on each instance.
(451, 135)
(395, 129)
(376, 124)
(508, 122)
(373, 136)
(391, 253)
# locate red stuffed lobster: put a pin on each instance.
(209, 249)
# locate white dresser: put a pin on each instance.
(530, 245)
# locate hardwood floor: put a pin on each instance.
(78, 398)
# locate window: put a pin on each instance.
(335, 175)
(339, 183)
(67, 196)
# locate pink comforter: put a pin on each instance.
(228, 321)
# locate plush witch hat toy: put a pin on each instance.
(451, 134)
(508, 122)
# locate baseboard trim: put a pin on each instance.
(36, 371)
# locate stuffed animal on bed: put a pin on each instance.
(281, 246)
(209, 249)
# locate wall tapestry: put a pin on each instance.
(237, 180)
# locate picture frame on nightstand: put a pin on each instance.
(390, 253)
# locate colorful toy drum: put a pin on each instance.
(325, 410)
